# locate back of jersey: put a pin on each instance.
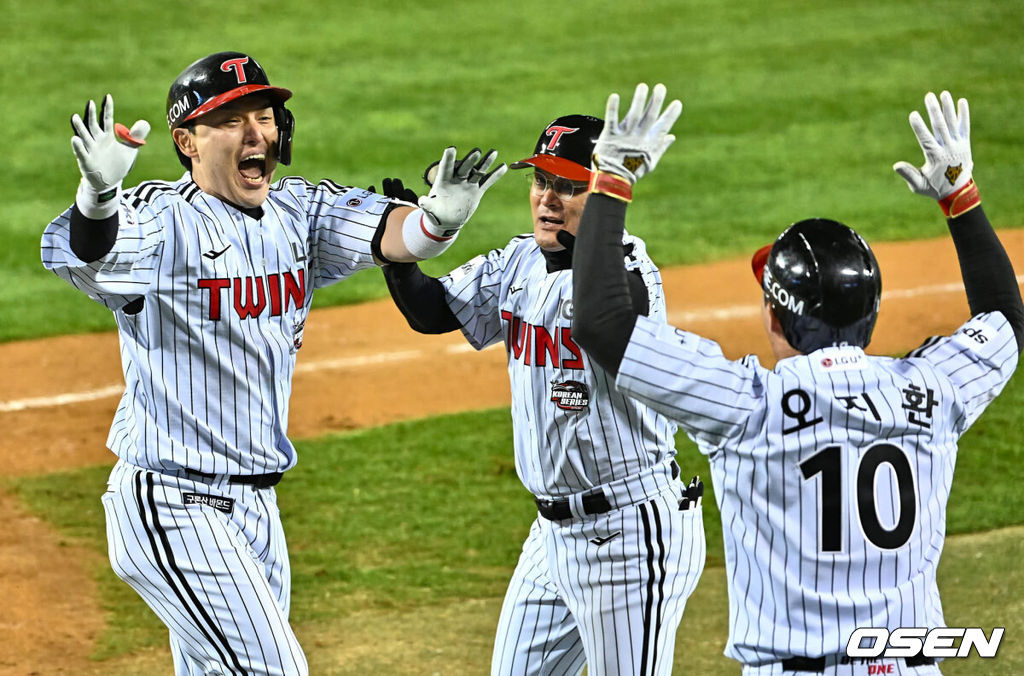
(851, 468)
(832, 474)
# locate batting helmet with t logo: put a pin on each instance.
(214, 80)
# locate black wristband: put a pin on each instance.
(92, 239)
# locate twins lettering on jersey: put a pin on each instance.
(252, 293)
(537, 346)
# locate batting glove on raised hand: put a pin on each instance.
(946, 173)
(458, 187)
(632, 148)
(454, 195)
(105, 152)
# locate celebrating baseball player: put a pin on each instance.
(618, 544)
(832, 470)
(210, 279)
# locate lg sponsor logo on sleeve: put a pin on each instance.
(940, 642)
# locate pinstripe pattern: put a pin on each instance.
(209, 359)
(619, 603)
(816, 464)
(219, 581)
(614, 605)
(509, 295)
(210, 304)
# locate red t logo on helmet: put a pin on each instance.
(236, 64)
(555, 132)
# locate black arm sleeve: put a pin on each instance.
(988, 275)
(603, 307)
(91, 240)
(420, 298)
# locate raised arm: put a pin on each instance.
(420, 298)
(946, 176)
(603, 311)
(413, 234)
(105, 152)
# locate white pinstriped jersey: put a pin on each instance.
(573, 431)
(831, 472)
(209, 358)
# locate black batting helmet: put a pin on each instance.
(216, 79)
(823, 284)
(565, 146)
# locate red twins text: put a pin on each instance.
(536, 346)
(254, 295)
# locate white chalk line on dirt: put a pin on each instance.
(711, 314)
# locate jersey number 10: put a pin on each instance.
(828, 463)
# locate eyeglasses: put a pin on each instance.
(563, 187)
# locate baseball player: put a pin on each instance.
(210, 279)
(832, 470)
(618, 543)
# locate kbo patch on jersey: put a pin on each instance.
(571, 395)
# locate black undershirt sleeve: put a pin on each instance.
(421, 299)
(988, 275)
(92, 239)
(604, 309)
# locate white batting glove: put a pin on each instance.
(946, 173)
(632, 148)
(454, 196)
(105, 152)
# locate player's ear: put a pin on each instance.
(185, 139)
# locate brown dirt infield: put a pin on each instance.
(360, 366)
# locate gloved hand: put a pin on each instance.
(457, 189)
(395, 189)
(946, 175)
(105, 154)
(632, 148)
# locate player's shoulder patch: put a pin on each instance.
(350, 198)
(467, 268)
(980, 332)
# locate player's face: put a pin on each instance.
(234, 151)
(553, 208)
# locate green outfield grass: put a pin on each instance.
(791, 109)
(403, 537)
(422, 521)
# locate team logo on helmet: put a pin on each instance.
(236, 65)
(555, 132)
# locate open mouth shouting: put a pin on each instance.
(253, 168)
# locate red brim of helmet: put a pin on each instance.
(279, 93)
(559, 166)
(758, 261)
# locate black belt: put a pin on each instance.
(254, 480)
(817, 664)
(558, 510)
